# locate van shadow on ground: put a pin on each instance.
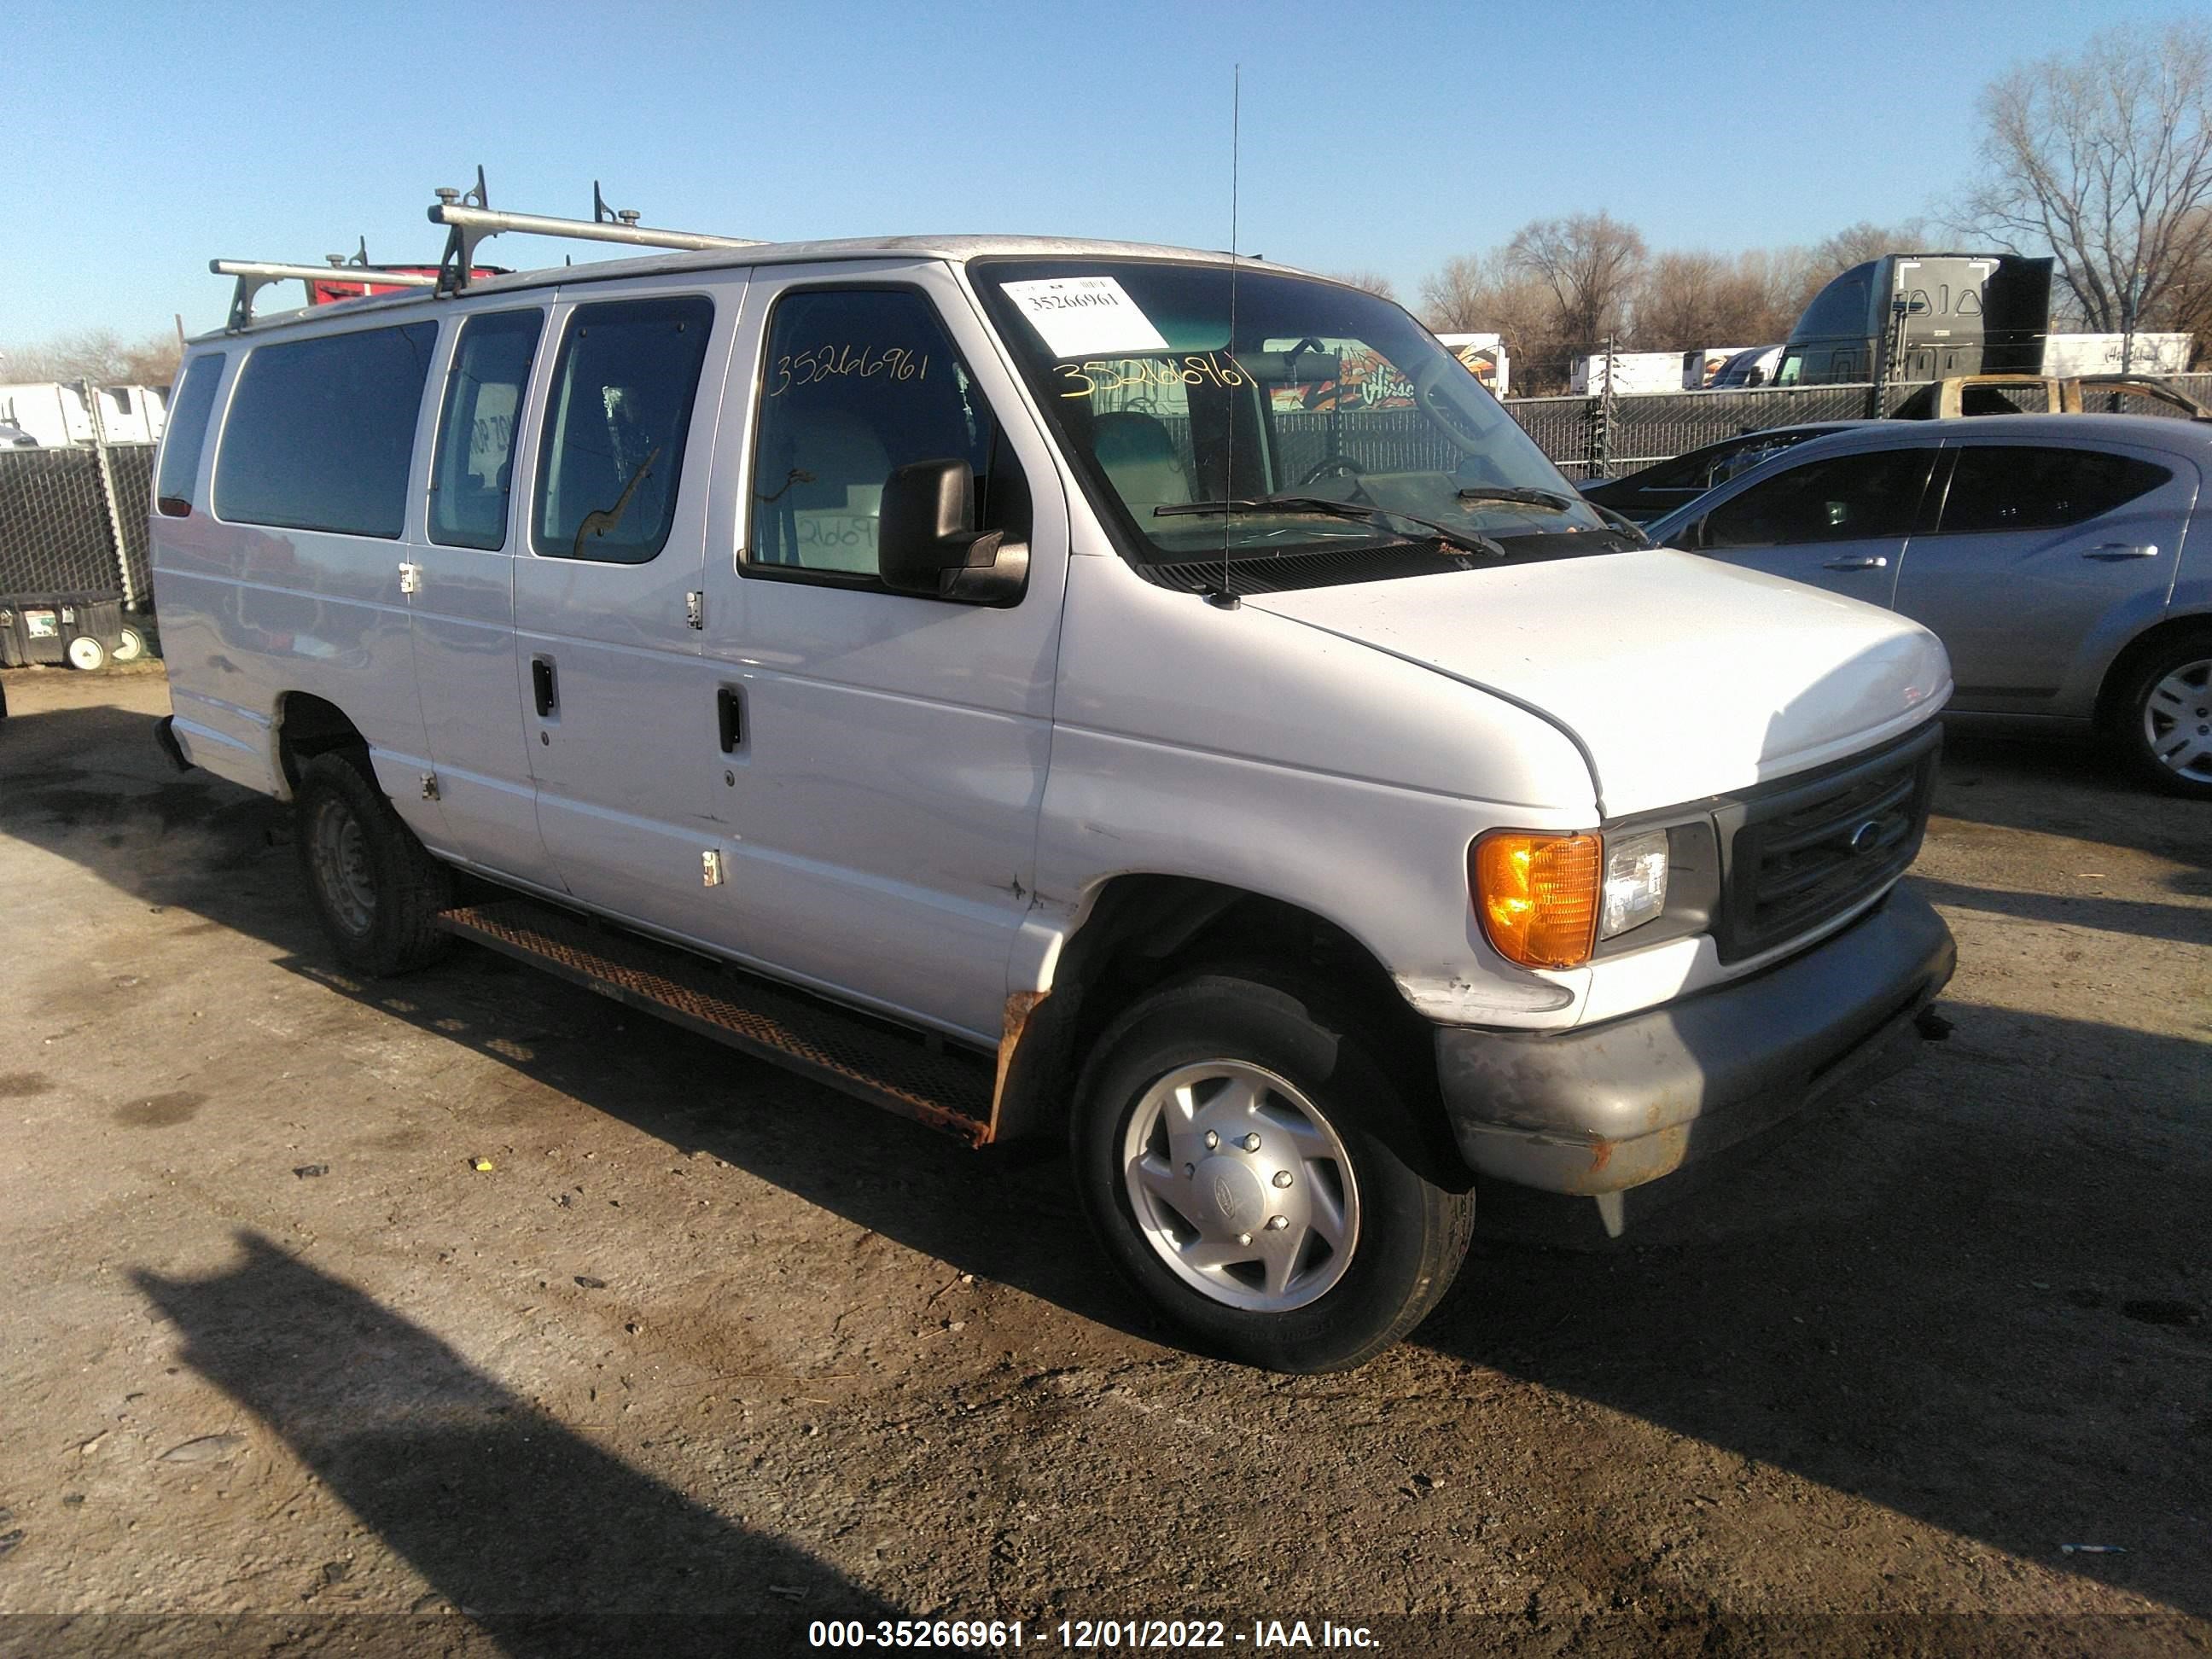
(1974, 1294)
(552, 1547)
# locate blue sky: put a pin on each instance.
(142, 141)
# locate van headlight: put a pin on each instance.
(1635, 889)
(1544, 901)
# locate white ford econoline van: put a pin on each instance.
(1031, 684)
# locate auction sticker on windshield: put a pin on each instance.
(1076, 316)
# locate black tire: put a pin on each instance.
(2135, 718)
(1412, 1234)
(374, 887)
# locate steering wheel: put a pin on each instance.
(1333, 466)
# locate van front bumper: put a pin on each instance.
(1612, 1106)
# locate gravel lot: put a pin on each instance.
(706, 1339)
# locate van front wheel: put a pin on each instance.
(376, 889)
(1237, 1152)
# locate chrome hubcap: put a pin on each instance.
(1241, 1186)
(2177, 720)
(340, 853)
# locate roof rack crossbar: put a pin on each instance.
(470, 218)
(254, 275)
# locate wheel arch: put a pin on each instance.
(305, 725)
(1139, 931)
(2136, 652)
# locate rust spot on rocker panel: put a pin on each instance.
(1019, 1008)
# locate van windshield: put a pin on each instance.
(1193, 441)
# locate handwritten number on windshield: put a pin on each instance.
(1097, 376)
(827, 362)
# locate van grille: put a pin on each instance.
(1807, 850)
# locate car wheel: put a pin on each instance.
(375, 888)
(129, 644)
(1238, 1152)
(87, 653)
(2163, 717)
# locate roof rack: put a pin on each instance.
(254, 275)
(470, 218)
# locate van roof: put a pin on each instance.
(955, 248)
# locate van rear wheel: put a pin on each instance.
(1238, 1152)
(376, 889)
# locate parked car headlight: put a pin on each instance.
(1635, 889)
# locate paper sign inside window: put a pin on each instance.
(1081, 316)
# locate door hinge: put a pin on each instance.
(410, 578)
(710, 871)
(429, 785)
(694, 609)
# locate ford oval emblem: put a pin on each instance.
(1224, 1200)
(1863, 837)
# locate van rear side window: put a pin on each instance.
(186, 437)
(615, 427)
(321, 431)
(476, 431)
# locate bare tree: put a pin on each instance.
(1481, 293)
(1374, 282)
(1590, 262)
(1697, 299)
(1854, 244)
(1457, 298)
(96, 354)
(2105, 162)
(153, 360)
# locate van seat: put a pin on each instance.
(1141, 461)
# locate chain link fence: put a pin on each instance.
(73, 551)
(1601, 437)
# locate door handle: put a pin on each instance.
(1857, 564)
(542, 685)
(730, 717)
(2113, 552)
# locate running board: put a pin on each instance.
(908, 1073)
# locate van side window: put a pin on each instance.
(855, 383)
(186, 437)
(321, 432)
(1997, 488)
(1847, 498)
(615, 427)
(475, 429)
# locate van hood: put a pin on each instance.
(1679, 676)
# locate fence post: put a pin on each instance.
(1601, 414)
(107, 491)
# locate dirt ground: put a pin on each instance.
(711, 1347)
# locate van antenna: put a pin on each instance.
(1222, 598)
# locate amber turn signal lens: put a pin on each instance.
(1537, 896)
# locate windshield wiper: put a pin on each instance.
(1558, 502)
(1520, 495)
(1321, 506)
(1627, 525)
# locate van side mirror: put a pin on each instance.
(926, 543)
